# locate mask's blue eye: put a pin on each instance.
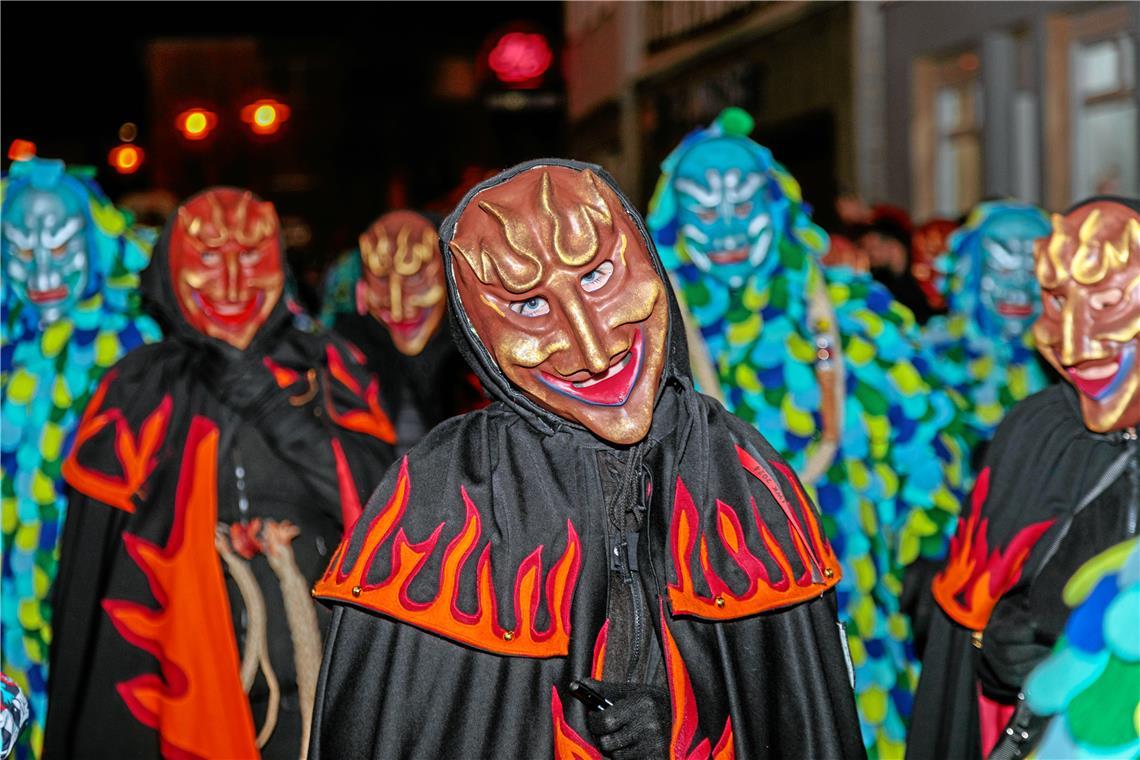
(532, 307)
(597, 279)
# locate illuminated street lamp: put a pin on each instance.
(126, 158)
(196, 123)
(520, 58)
(265, 116)
(21, 150)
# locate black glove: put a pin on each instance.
(637, 726)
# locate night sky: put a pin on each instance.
(72, 73)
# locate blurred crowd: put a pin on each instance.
(936, 417)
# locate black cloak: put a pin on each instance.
(182, 437)
(1052, 495)
(474, 589)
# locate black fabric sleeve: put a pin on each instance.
(343, 727)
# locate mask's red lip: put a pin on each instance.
(1014, 309)
(229, 315)
(610, 388)
(1093, 376)
(408, 325)
(48, 296)
(729, 257)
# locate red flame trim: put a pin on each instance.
(371, 420)
(568, 743)
(974, 579)
(684, 704)
(350, 508)
(442, 615)
(198, 705)
(763, 593)
(281, 374)
(599, 661)
(136, 455)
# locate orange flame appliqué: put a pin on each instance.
(372, 420)
(568, 743)
(283, 376)
(480, 629)
(684, 705)
(974, 578)
(198, 705)
(135, 455)
(821, 566)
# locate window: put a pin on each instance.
(946, 137)
(1091, 113)
(1104, 117)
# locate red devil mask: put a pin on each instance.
(225, 263)
(560, 288)
(927, 244)
(402, 284)
(1089, 329)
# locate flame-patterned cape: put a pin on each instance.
(46, 377)
(1052, 494)
(473, 590)
(156, 643)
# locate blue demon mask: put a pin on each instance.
(45, 239)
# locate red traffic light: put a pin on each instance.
(265, 116)
(196, 123)
(21, 150)
(520, 58)
(126, 158)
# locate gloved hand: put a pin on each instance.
(637, 726)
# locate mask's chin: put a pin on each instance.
(733, 266)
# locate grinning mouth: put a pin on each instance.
(228, 313)
(408, 326)
(610, 388)
(733, 256)
(1098, 378)
(48, 296)
(1014, 309)
(1093, 377)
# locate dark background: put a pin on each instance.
(369, 126)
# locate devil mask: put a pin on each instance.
(46, 241)
(402, 283)
(1089, 270)
(558, 284)
(928, 244)
(225, 263)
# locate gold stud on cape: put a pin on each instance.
(828, 572)
(508, 635)
(356, 590)
(719, 601)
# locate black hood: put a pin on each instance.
(675, 369)
(161, 301)
(1132, 203)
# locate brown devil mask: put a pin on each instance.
(225, 263)
(402, 284)
(1089, 270)
(561, 290)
